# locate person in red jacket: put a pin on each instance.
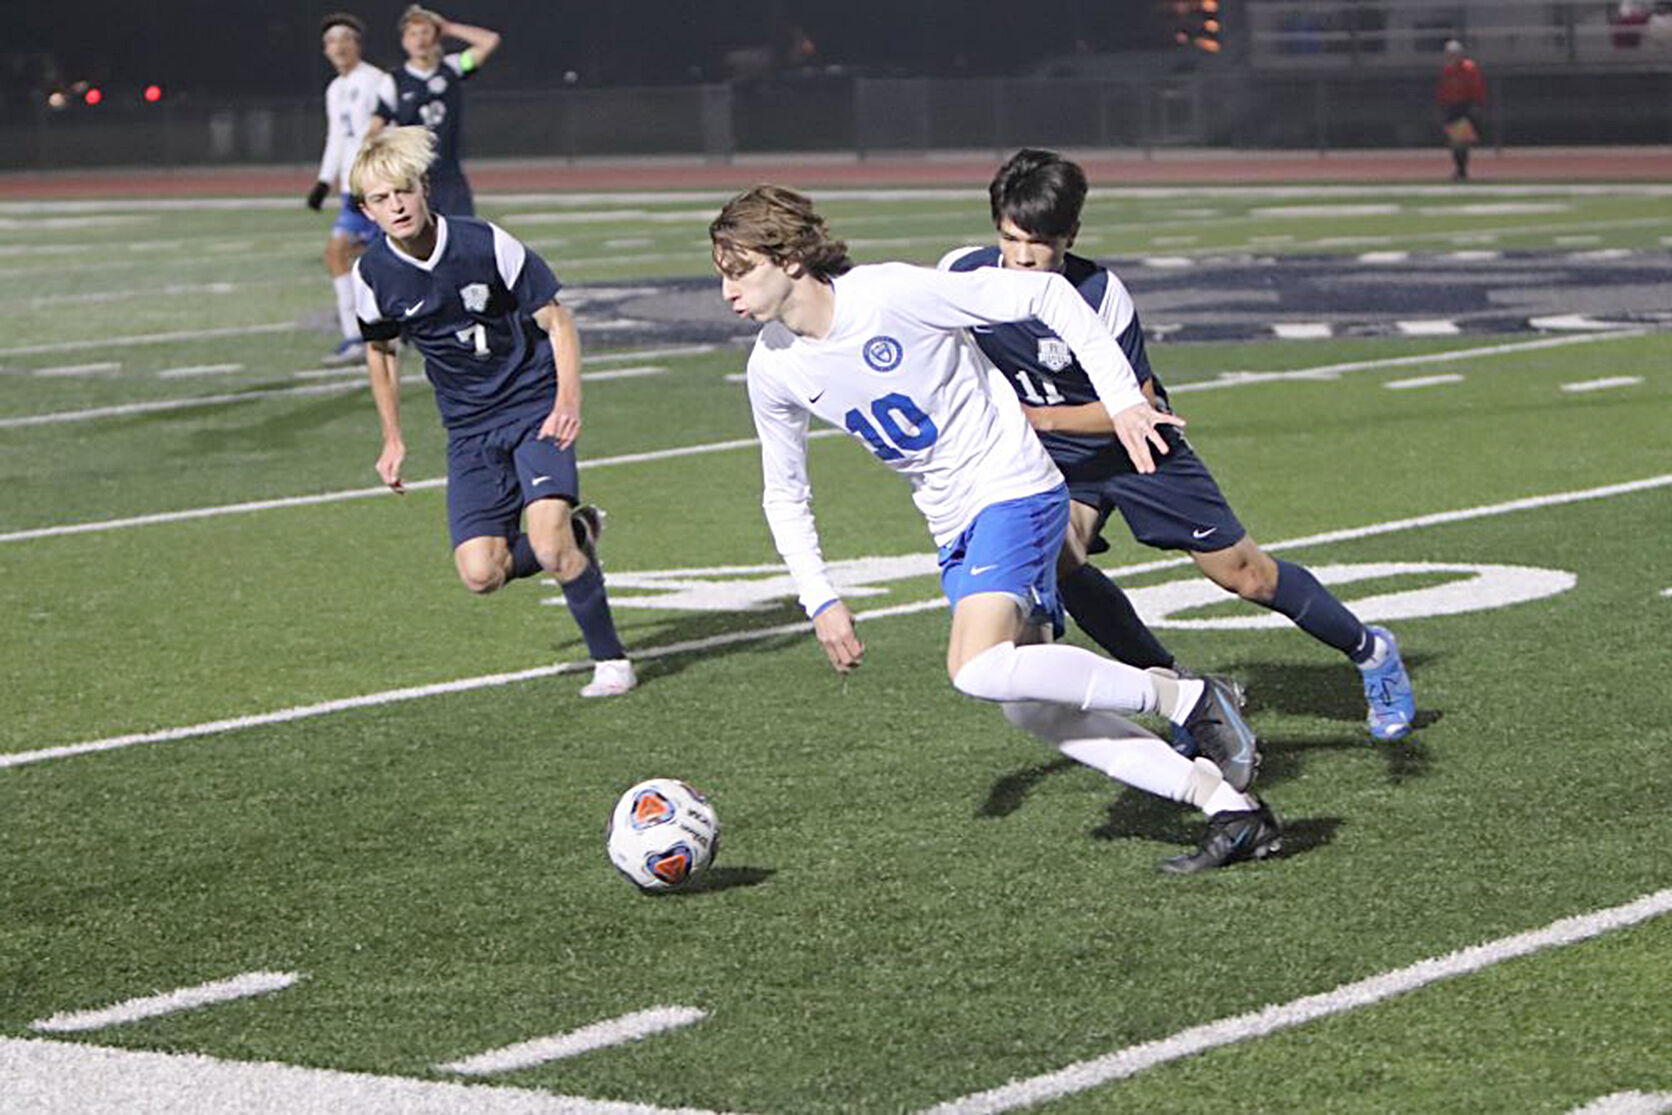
(1461, 95)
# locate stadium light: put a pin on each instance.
(153, 94)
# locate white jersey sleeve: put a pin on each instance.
(786, 494)
(349, 103)
(994, 296)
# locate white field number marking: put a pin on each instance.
(758, 587)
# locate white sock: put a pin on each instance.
(1059, 674)
(344, 286)
(1119, 748)
(1378, 655)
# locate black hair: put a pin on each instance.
(1041, 192)
(343, 19)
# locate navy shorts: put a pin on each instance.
(492, 476)
(1176, 507)
(1011, 548)
(451, 197)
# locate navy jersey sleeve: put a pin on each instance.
(373, 326)
(523, 272)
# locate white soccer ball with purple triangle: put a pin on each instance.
(663, 834)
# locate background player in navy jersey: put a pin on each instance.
(879, 351)
(349, 101)
(428, 90)
(1036, 201)
(504, 357)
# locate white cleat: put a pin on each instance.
(611, 678)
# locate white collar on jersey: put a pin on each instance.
(435, 254)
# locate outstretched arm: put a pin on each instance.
(564, 422)
(384, 370)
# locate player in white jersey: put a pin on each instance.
(349, 101)
(881, 352)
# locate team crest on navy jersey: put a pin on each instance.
(437, 84)
(475, 297)
(883, 353)
(1054, 354)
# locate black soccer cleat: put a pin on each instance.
(1215, 723)
(1234, 835)
(588, 524)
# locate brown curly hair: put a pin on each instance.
(781, 225)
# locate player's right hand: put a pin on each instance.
(834, 627)
(316, 196)
(389, 466)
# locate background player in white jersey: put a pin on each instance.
(504, 358)
(349, 101)
(428, 90)
(881, 352)
(1036, 199)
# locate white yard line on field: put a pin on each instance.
(600, 1035)
(1085, 1075)
(41, 1077)
(487, 681)
(150, 338)
(366, 493)
(1225, 379)
(1627, 1103)
(154, 1006)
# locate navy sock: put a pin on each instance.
(523, 561)
(1316, 611)
(591, 609)
(1103, 611)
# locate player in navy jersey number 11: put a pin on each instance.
(1036, 199)
(504, 358)
(880, 351)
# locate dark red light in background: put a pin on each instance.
(93, 96)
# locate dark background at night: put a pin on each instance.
(202, 49)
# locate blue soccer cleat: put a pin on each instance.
(1387, 690)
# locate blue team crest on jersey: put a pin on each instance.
(883, 353)
(1054, 354)
(475, 297)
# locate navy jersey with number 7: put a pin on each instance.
(469, 308)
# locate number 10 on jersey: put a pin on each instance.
(903, 426)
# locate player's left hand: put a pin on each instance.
(563, 424)
(1136, 426)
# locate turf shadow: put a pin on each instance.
(720, 878)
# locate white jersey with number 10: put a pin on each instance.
(898, 371)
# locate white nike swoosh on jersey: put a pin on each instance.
(414, 308)
(977, 570)
(538, 480)
(1202, 533)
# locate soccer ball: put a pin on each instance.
(662, 834)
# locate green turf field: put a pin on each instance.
(310, 751)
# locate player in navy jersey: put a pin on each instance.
(428, 90)
(504, 358)
(880, 352)
(1036, 199)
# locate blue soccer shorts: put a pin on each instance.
(1011, 548)
(1176, 507)
(492, 476)
(352, 223)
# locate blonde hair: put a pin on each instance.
(781, 225)
(398, 155)
(417, 13)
